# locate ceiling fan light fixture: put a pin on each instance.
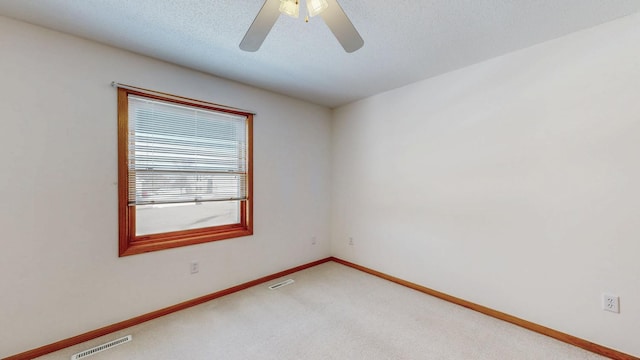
(290, 7)
(330, 11)
(315, 7)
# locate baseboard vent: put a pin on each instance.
(281, 284)
(103, 347)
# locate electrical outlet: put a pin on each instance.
(195, 267)
(611, 303)
(313, 240)
(350, 241)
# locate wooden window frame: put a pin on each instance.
(129, 243)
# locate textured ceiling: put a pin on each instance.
(405, 41)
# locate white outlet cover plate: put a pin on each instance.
(611, 303)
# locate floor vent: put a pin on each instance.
(281, 284)
(103, 347)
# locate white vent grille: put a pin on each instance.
(103, 347)
(281, 284)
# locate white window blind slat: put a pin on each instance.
(182, 154)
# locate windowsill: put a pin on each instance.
(143, 246)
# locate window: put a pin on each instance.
(184, 171)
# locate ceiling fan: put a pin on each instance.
(329, 10)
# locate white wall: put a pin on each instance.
(514, 183)
(60, 274)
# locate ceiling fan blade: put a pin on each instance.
(341, 26)
(261, 26)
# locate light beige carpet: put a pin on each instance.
(330, 312)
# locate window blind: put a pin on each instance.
(182, 154)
